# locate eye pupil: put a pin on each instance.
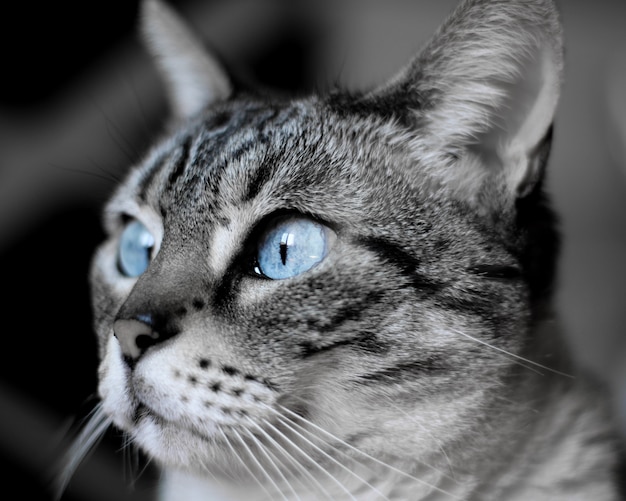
(285, 241)
(283, 253)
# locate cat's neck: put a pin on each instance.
(561, 450)
(552, 437)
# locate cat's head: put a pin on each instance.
(300, 278)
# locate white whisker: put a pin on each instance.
(287, 422)
(144, 468)
(260, 466)
(219, 479)
(364, 454)
(346, 444)
(219, 473)
(290, 457)
(91, 434)
(130, 460)
(312, 461)
(244, 464)
(513, 355)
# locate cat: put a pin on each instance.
(348, 295)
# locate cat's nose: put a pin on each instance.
(138, 333)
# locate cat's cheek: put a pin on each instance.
(113, 389)
(175, 389)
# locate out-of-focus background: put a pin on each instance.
(79, 102)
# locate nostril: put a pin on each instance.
(135, 335)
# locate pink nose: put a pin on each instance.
(135, 336)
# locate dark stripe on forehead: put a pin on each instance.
(401, 104)
(258, 179)
(209, 145)
(179, 156)
(232, 142)
(259, 127)
(271, 127)
(222, 141)
(239, 151)
(146, 181)
(180, 162)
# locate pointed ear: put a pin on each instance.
(486, 88)
(192, 77)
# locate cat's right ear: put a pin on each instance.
(192, 77)
(484, 90)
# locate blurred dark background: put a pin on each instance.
(80, 102)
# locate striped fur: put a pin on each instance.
(421, 358)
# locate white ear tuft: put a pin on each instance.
(525, 117)
(193, 78)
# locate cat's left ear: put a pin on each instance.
(485, 90)
(192, 77)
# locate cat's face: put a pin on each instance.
(317, 274)
(377, 282)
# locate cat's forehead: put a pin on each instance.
(269, 156)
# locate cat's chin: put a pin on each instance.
(172, 444)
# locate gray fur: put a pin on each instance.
(421, 358)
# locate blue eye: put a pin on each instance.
(291, 247)
(133, 254)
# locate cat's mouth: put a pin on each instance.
(206, 409)
(141, 412)
(144, 413)
(149, 426)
